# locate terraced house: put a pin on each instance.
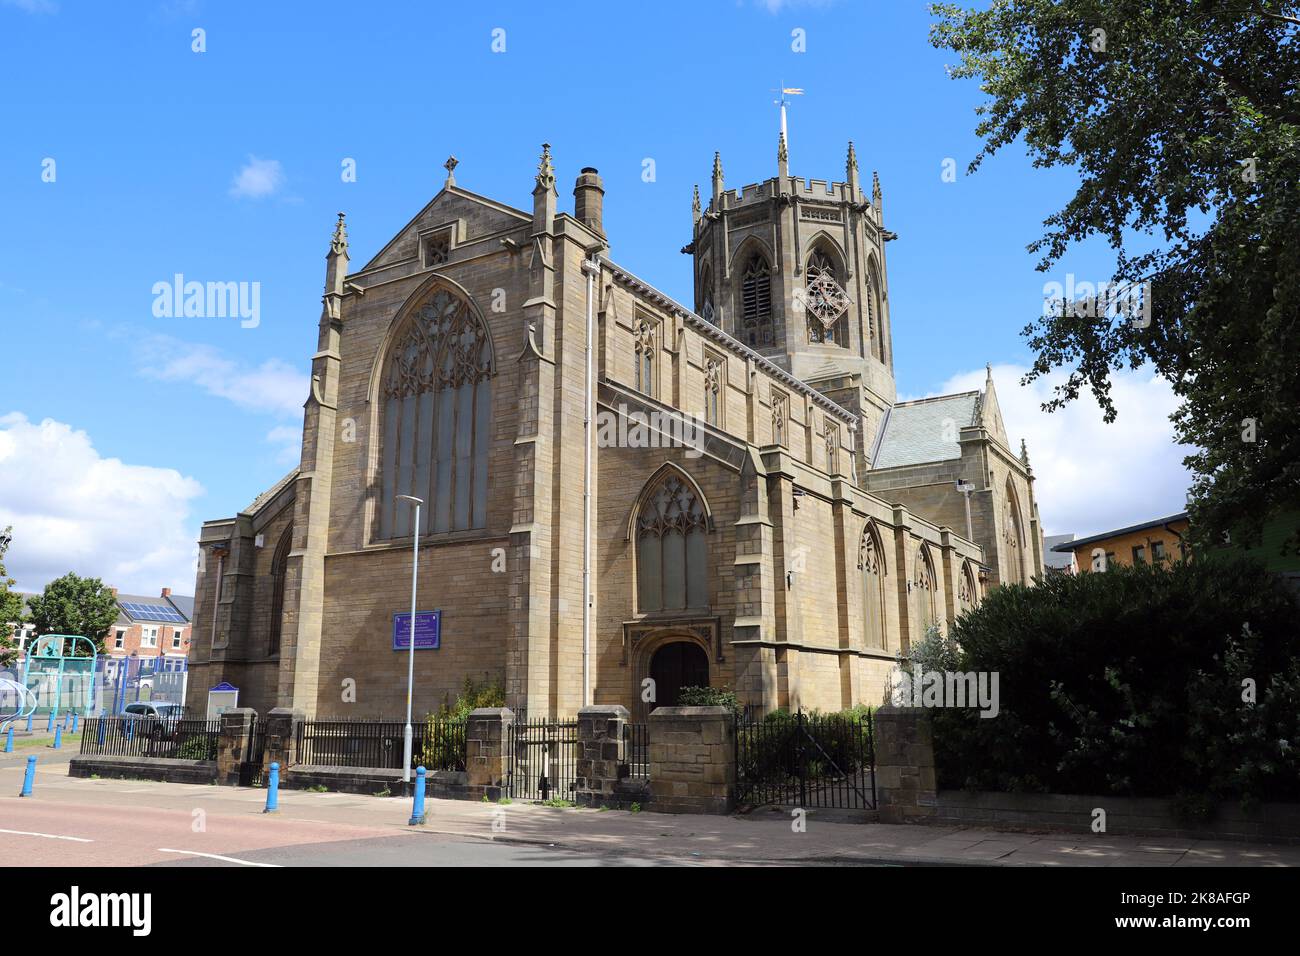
(619, 495)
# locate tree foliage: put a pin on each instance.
(74, 605)
(1131, 682)
(11, 606)
(1182, 118)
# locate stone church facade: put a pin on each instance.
(764, 515)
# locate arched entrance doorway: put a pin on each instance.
(676, 665)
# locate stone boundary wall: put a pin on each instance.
(692, 760)
(1125, 816)
(165, 769)
(367, 781)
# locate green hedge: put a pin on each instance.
(1131, 682)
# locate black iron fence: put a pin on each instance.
(807, 760)
(542, 759)
(636, 750)
(152, 737)
(436, 743)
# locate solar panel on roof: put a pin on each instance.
(153, 612)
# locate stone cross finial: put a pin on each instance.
(450, 165)
(695, 203)
(875, 186)
(1024, 453)
(853, 157)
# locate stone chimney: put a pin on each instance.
(166, 592)
(588, 200)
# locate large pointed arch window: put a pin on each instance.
(924, 593)
(671, 548)
(279, 566)
(756, 303)
(1013, 536)
(826, 302)
(436, 395)
(875, 314)
(871, 567)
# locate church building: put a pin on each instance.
(618, 496)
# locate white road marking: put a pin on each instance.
(48, 836)
(214, 856)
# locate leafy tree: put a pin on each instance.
(1182, 118)
(74, 605)
(11, 606)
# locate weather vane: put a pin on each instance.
(785, 91)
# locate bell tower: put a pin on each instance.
(795, 269)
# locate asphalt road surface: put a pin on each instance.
(61, 834)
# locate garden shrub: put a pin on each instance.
(1130, 682)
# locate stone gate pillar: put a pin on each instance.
(601, 757)
(906, 786)
(692, 760)
(487, 746)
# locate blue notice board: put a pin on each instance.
(428, 630)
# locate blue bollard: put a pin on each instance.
(9, 740)
(58, 738)
(273, 790)
(76, 719)
(417, 811)
(29, 723)
(29, 777)
(49, 724)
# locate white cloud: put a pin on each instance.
(257, 178)
(1091, 476)
(274, 386)
(289, 440)
(74, 510)
(33, 6)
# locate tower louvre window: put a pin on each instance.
(756, 304)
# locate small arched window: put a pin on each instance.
(671, 548)
(756, 303)
(436, 395)
(871, 567)
(705, 296)
(279, 564)
(825, 297)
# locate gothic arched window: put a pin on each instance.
(756, 303)
(1013, 536)
(825, 301)
(875, 314)
(966, 593)
(279, 563)
(871, 565)
(924, 588)
(436, 395)
(671, 548)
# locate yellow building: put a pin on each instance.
(1158, 540)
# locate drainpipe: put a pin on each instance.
(591, 267)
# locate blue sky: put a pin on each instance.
(124, 430)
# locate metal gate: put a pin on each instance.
(807, 760)
(250, 768)
(542, 759)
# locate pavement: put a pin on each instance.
(87, 822)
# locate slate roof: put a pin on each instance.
(270, 493)
(1093, 539)
(1062, 557)
(915, 432)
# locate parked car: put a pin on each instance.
(158, 709)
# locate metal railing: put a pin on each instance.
(150, 737)
(436, 743)
(807, 760)
(636, 750)
(542, 759)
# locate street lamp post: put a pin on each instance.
(410, 653)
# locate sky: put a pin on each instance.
(129, 156)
